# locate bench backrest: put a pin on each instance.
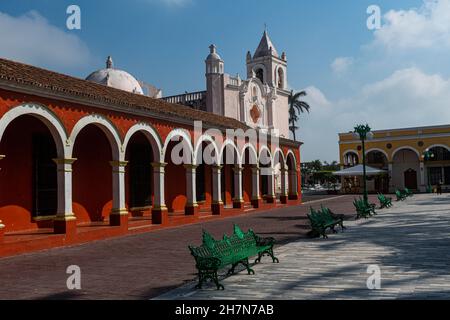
(239, 242)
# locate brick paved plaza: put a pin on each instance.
(409, 242)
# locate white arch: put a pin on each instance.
(106, 126)
(351, 151)
(182, 133)
(151, 135)
(206, 138)
(52, 122)
(266, 148)
(283, 158)
(283, 79)
(438, 145)
(251, 150)
(405, 148)
(379, 150)
(226, 143)
(264, 69)
(291, 153)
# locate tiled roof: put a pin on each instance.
(52, 82)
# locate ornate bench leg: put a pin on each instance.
(201, 279)
(274, 259)
(258, 260)
(216, 281)
(247, 266)
(231, 271)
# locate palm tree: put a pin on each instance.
(296, 105)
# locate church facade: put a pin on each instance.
(260, 101)
(99, 153)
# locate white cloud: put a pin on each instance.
(31, 39)
(424, 27)
(406, 98)
(341, 64)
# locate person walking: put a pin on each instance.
(439, 188)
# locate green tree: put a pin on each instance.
(296, 106)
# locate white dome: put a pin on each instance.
(116, 78)
(213, 54)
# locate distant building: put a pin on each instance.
(412, 157)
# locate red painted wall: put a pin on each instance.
(175, 183)
(92, 176)
(16, 175)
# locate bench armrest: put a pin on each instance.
(208, 263)
(269, 241)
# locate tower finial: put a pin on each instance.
(109, 62)
(212, 48)
(265, 27)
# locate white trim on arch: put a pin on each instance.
(351, 151)
(379, 150)
(255, 154)
(106, 126)
(178, 133)
(151, 135)
(283, 158)
(405, 148)
(206, 138)
(438, 145)
(52, 122)
(226, 143)
(291, 153)
(265, 147)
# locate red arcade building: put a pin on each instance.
(81, 160)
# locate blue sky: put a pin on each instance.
(351, 74)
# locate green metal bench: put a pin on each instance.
(400, 196)
(323, 220)
(408, 193)
(363, 210)
(384, 201)
(214, 255)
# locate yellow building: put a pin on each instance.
(403, 154)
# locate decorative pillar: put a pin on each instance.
(284, 185)
(238, 200)
(160, 214)
(391, 177)
(422, 187)
(119, 212)
(256, 197)
(2, 226)
(271, 198)
(217, 203)
(192, 208)
(293, 190)
(65, 220)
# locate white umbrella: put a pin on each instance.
(358, 171)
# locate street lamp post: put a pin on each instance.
(363, 132)
(426, 156)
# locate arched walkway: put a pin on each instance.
(139, 155)
(28, 175)
(406, 169)
(96, 149)
(380, 183)
(292, 174)
(178, 156)
(250, 176)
